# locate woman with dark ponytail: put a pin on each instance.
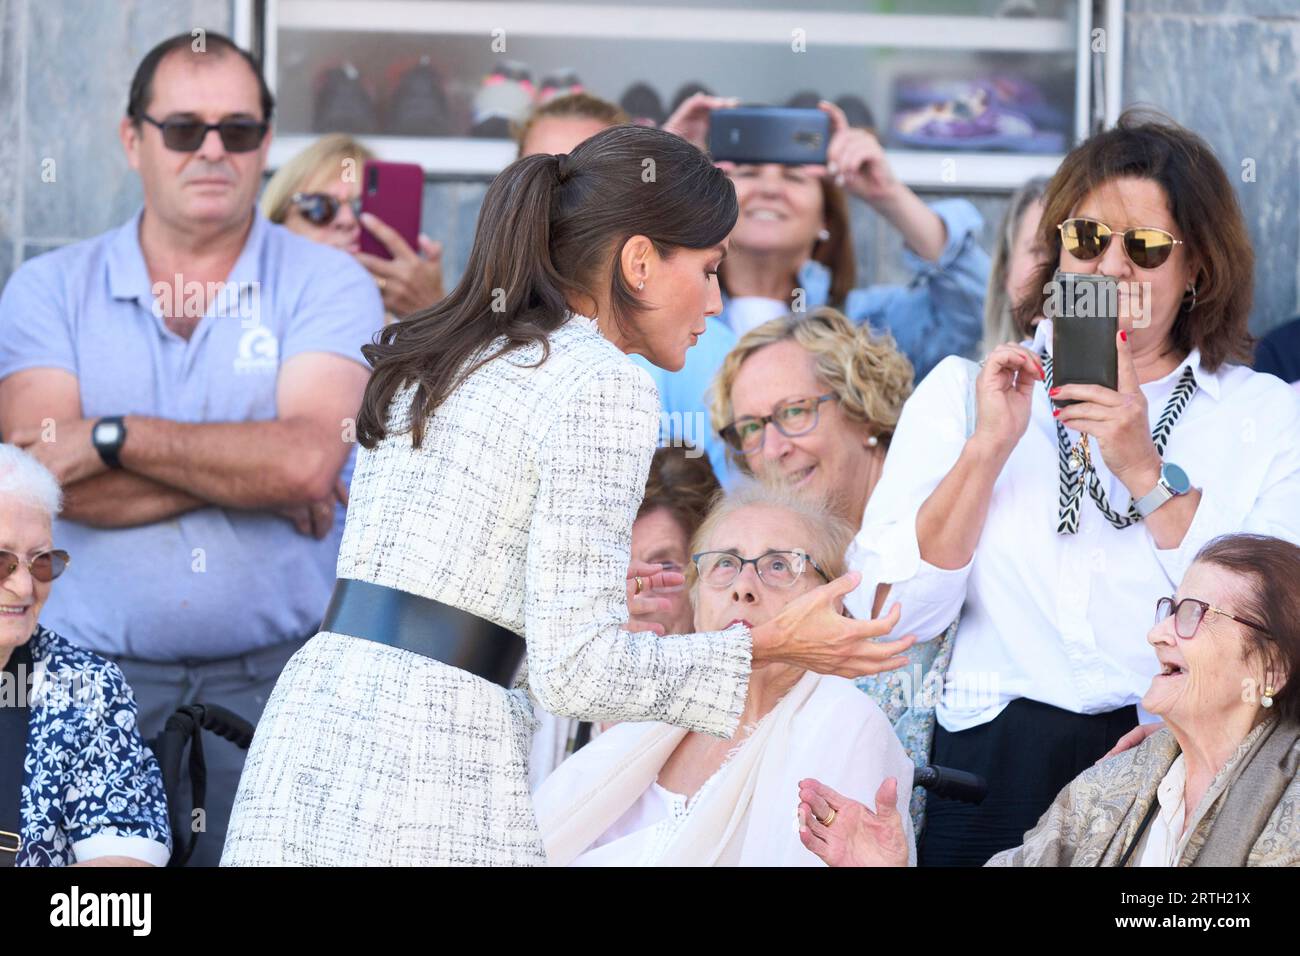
(505, 442)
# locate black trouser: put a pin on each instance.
(1028, 753)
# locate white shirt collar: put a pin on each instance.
(1206, 381)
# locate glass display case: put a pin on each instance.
(979, 94)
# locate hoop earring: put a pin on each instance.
(1188, 306)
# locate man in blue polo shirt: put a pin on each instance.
(191, 379)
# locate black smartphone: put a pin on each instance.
(1084, 310)
(769, 134)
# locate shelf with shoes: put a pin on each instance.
(979, 100)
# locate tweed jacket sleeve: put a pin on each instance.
(592, 467)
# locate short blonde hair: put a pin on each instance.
(826, 535)
(328, 151)
(867, 372)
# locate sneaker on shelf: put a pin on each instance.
(504, 99)
(685, 92)
(642, 104)
(342, 103)
(417, 105)
(559, 82)
(856, 111)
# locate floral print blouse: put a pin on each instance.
(91, 787)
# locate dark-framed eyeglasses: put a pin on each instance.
(43, 566)
(778, 569)
(1146, 246)
(794, 417)
(1189, 612)
(321, 209)
(185, 134)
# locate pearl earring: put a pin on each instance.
(823, 235)
(873, 441)
(1266, 699)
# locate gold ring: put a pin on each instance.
(830, 818)
(638, 585)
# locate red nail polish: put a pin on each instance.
(1056, 413)
(1123, 336)
(1054, 392)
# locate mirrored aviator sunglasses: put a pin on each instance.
(185, 134)
(1146, 246)
(320, 209)
(43, 567)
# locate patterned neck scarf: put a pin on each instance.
(1076, 462)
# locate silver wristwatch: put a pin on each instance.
(1173, 481)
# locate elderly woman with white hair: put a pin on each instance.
(650, 794)
(78, 787)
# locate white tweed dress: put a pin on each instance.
(518, 508)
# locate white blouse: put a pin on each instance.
(640, 836)
(1164, 838)
(1063, 618)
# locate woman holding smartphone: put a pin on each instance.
(792, 251)
(1054, 530)
(505, 441)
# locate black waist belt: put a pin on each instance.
(424, 626)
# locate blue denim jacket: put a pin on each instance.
(939, 313)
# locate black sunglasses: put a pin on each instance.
(44, 566)
(320, 209)
(185, 134)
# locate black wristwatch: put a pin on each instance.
(108, 437)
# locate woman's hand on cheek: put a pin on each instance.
(1118, 420)
(812, 633)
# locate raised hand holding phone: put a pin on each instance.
(1118, 419)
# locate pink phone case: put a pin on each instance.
(393, 192)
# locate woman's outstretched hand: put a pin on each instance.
(812, 632)
(855, 835)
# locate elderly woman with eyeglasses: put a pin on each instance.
(649, 794)
(77, 785)
(1218, 786)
